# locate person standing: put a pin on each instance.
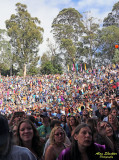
(9, 151)
(44, 130)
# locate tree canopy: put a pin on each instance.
(25, 36)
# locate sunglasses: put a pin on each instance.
(61, 133)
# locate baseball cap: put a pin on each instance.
(4, 130)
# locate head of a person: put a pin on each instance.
(63, 118)
(112, 119)
(101, 111)
(92, 123)
(26, 132)
(82, 136)
(58, 110)
(45, 118)
(71, 110)
(73, 121)
(57, 135)
(85, 113)
(14, 130)
(114, 111)
(99, 105)
(108, 128)
(5, 136)
(106, 111)
(55, 123)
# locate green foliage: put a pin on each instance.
(67, 28)
(116, 57)
(113, 17)
(109, 36)
(33, 70)
(25, 36)
(70, 48)
(45, 57)
(48, 68)
(90, 38)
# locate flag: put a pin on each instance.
(81, 67)
(68, 67)
(73, 68)
(85, 66)
(77, 67)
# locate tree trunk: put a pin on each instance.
(24, 70)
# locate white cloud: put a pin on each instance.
(98, 8)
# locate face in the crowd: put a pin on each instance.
(111, 119)
(114, 112)
(106, 112)
(59, 136)
(71, 110)
(63, 118)
(14, 130)
(72, 121)
(85, 113)
(45, 120)
(101, 111)
(26, 132)
(84, 137)
(109, 130)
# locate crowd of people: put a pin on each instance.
(62, 117)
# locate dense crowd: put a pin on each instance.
(64, 117)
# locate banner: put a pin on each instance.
(81, 67)
(77, 67)
(68, 67)
(85, 66)
(73, 68)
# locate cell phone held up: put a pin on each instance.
(19, 114)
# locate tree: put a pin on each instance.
(25, 36)
(116, 57)
(90, 37)
(45, 57)
(67, 28)
(5, 51)
(109, 37)
(47, 68)
(113, 17)
(50, 65)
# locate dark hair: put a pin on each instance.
(75, 153)
(114, 108)
(76, 122)
(54, 122)
(31, 118)
(92, 123)
(113, 136)
(36, 142)
(63, 116)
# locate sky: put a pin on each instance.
(47, 10)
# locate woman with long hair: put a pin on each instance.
(27, 136)
(106, 135)
(57, 143)
(83, 146)
(72, 124)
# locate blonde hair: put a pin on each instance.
(52, 134)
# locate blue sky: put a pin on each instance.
(47, 10)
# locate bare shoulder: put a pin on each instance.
(49, 154)
(50, 147)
